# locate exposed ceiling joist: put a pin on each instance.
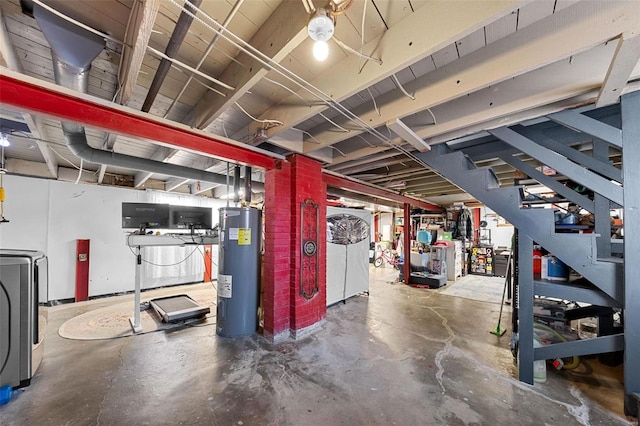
(141, 20)
(624, 61)
(352, 185)
(366, 160)
(10, 60)
(539, 44)
(363, 152)
(174, 183)
(400, 47)
(283, 32)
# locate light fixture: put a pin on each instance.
(402, 130)
(4, 141)
(320, 50)
(321, 25)
(320, 29)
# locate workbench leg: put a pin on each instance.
(135, 321)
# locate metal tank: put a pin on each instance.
(238, 271)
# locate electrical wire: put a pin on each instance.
(364, 15)
(340, 9)
(79, 171)
(64, 158)
(264, 59)
(276, 122)
(313, 138)
(355, 52)
(432, 116)
(157, 264)
(334, 123)
(375, 105)
(204, 56)
(402, 89)
(294, 78)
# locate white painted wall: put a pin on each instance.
(50, 215)
(385, 226)
(500, 235)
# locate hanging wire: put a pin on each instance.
(364, 15)
(314, 139)
(261, 57)
(355, 52)
(367, 142)
(204, 56)
(79, 171)
(432, 116)
(339, 152)
(334, 123)
(375, 105)
(395, 78)
(64, 158)
(276, 122)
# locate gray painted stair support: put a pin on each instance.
(576, 250)
(550, 183)
(590, 126)
(602, 205)
(525, 306)
(596, 163)
(566, 167)
(613, 282)
(630, 109)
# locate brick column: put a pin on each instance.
(277, 256)
(306, 183)
(287, 186)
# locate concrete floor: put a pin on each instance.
(401, 356)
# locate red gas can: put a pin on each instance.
(537, 262)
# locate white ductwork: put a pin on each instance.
(73, 49)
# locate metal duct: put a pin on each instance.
(236, 184)
(73, 49)
(247, 184)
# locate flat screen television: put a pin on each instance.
(191, 217)
(145, 215)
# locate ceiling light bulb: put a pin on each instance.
(320, 50)
(320, 26)
(4, 141)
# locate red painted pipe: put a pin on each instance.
(208, 266)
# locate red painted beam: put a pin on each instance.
(45, 98)
(347, 184)
(407, 243)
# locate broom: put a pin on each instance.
(500, 331)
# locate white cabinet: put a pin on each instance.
(452, 257)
